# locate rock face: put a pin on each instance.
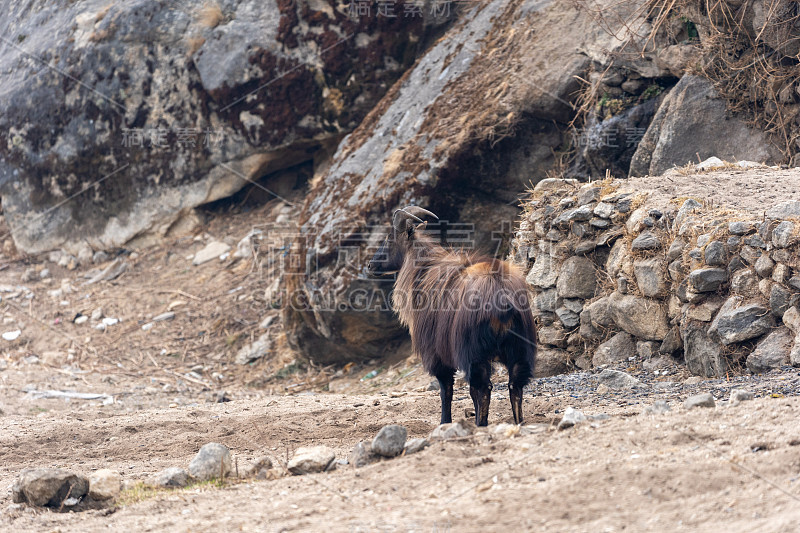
(692, 121)
(48, 487)
(159, 107)
(429, 142)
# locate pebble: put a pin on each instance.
(211, 251)
(105, 484)
(308, 460)
(449, 431)
(362, 455)
(742, 227)
(12, 335)
(416, 445)
(699, 400)
(259, 468)
(99, 257)
(506, 430)
(164, 316)
(97, 314)
(740, 395)
(28, 275)
(645, 241)
(172, 477)
(618, 380)
(710, 164)
(572, 417)
(659, 407)
(390, 440)
(255, 351)
(211, 461)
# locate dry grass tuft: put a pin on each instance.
(193, 44)
(210, 15)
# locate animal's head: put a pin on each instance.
(390, 256)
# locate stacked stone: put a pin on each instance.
(613, 277)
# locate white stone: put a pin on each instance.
(711, 163)
(212, 250)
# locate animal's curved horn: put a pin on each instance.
(400, 220)
(419, 212)
(401, 217)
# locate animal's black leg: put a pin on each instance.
(516, 402)
(518, 377)
(480, 388)
(445, 377)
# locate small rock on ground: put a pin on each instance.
(212, 461)
(362, 455)
(259, 468)
(506, 430)
(172, 477)
(572, 417)
(416, 445)
(616, 379)
(739, 395)
(211, 251)
(390, 440)
(699, 400)
(659, 407)
(449, 431)
(105, 484)
(48, 487)
(311, 459)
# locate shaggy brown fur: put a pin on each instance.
(463, 311)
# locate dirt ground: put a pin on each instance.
(732, 468)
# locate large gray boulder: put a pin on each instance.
(48, 487)
(693, 122)
(461, 134)
(117, 118)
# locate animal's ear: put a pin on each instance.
(412, 229)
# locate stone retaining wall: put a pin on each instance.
(616, 274)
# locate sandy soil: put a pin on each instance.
(750, 192)
(732, 468)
